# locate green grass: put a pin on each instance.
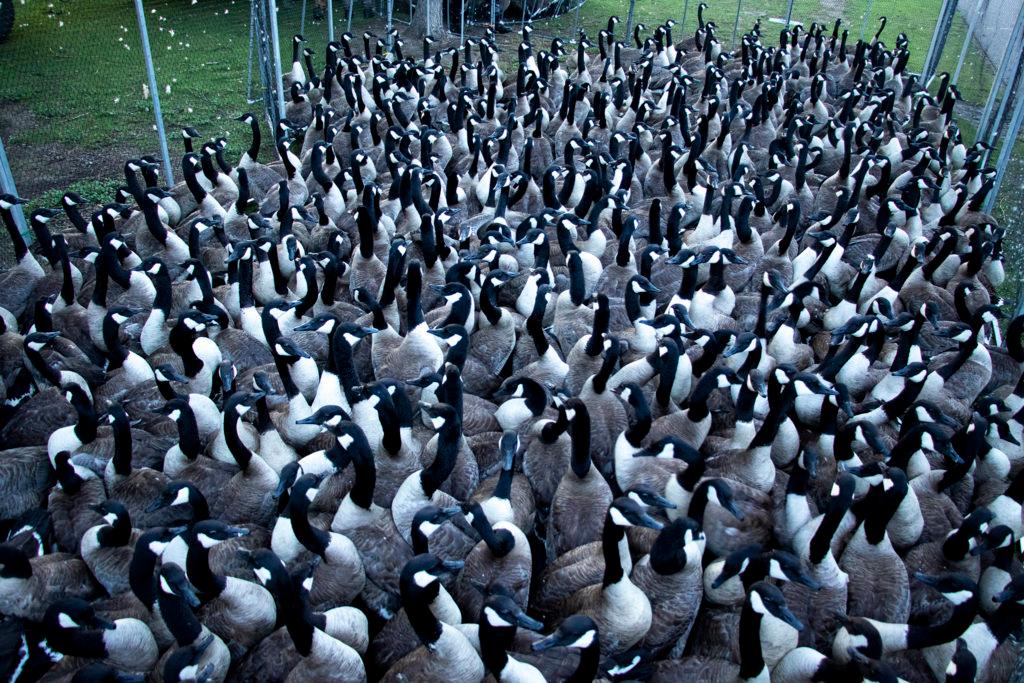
(92, 191)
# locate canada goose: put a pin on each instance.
(29, 585)
(107, 549)
(339, 575)
(177, 599)
(499, 341)
(767, 632)
(582, 492)
(503, 557)
(450, 656)
(620, 609)
(73, 628)
(237, 610)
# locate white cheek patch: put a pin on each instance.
(65, 621)
(835, 490)
(454, 339)
(262, 575)
(887, 484)
(311, 494)
(157, 547)
(618, 518)
(437, 422)
(351, 338)
(757, 604)
(518, 393)
(423, 578)
(206, 541)
(174, 415)
(429, 528)
(959, 597)
(346, 440)
(181, 497)
(166, 586)
(775, 571)
(585, 641)
(110, 518)
(495, 619)
(243, 409)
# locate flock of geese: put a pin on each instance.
(652, 362)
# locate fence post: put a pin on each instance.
(154, 91)
(736, 22)
(330, 21)
(979, 9)
(7, 186)
(275, 42)
(985, 122)
(252, 46)
(789, 13)
(391, 13)
(939, 36)
(1007, 150)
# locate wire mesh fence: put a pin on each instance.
(76, 101)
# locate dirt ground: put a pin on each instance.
(38, 168)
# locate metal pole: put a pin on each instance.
(275, 42)
(348, 28)
(864, 23)
(979, 9)
(1004, 65)
(154, 91)
(493, 10)
(629, 17)
(252, 46)
(736, 22)
(7, 186)
(576, 31)
(686, 10)
(1006, 151)
(330, 21)
(1012, 87)
(789, 13)
(302, 19)
(939, 38)
(391, 12)
(462, 23)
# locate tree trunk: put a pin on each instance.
(428, 17)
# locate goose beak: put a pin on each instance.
(448, 513)
(554, 640)
(787, 616)
(649, 522)
(452, 566)
(311, 420)
(528, 622)
(104, 624)
(733, 510)
(951, 453)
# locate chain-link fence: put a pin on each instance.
(76, 100)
